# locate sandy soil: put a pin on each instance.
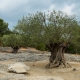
(38, 69)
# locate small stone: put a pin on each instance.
(74, 69)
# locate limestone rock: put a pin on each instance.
(18, 68)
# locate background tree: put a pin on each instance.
(3, 29)
(12, 40)
(75, 43)
(55, 30)
(30, 29)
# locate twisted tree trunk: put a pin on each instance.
(15, 49)
(57, 58)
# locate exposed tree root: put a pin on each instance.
(57, 65)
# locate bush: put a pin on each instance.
(41, 46)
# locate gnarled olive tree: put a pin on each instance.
(56, 30)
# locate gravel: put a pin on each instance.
(29, 55)
(4, 49)
(22, 57)
(72, 57)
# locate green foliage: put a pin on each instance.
(41, 47)
(0, 39)
(30, 29)
(71, 49)
(12, 40)
(38, 29)
(4, 28)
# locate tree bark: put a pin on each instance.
(57, 58)
(15, 49)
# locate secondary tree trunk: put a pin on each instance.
(15, 49)
(57, 58)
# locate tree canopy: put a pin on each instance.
(12, 40)
(41, 28)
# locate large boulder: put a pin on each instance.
(18, 68)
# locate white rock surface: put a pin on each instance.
(18, 68)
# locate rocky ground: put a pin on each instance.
(31, 54)
(37, 61)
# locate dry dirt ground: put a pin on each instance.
(38, 69)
